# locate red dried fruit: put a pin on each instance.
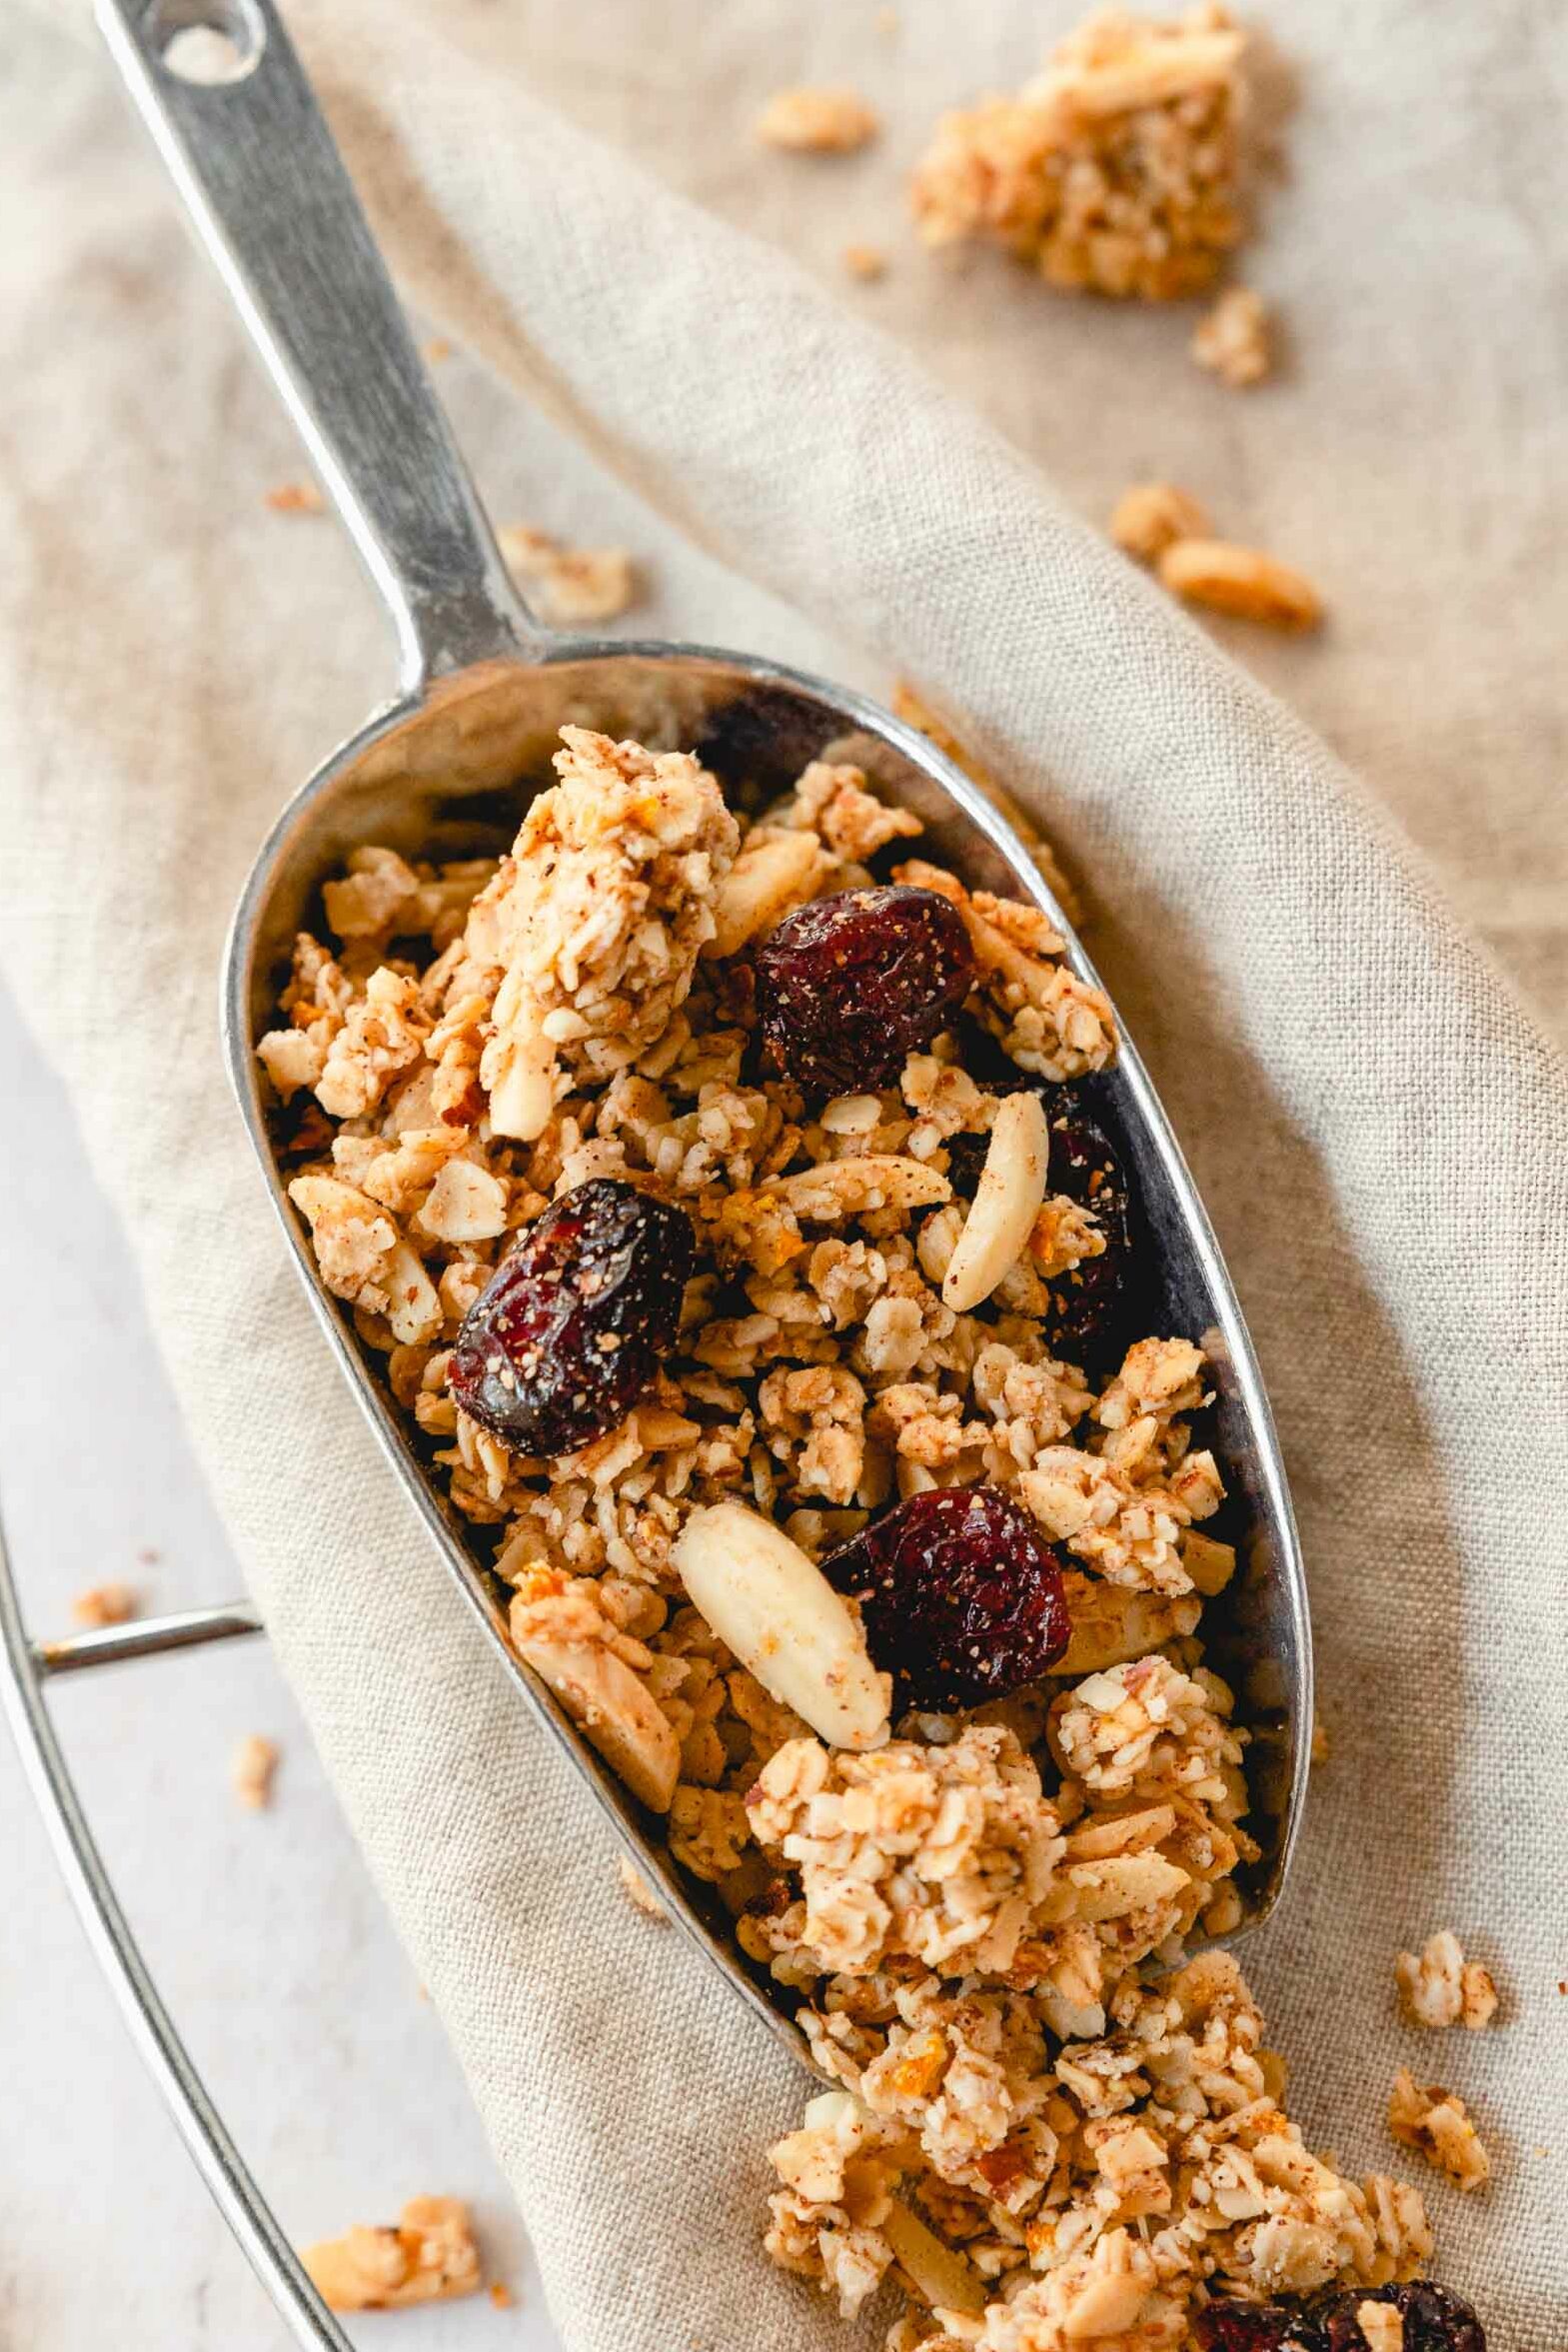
(960, 1595)
(1087, 1309)
(1435, 2319)
(1255, 2327)
(568, 1332)
(849, 984)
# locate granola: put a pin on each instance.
(1437, 2122)
(1039, 2136)
(250, 1770)
(1117, 170)
(98, 1605)
(428, 2257)
(1441, 1987)
(1233, 339)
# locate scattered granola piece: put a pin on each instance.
(818, 122)
(1153, 515)
(251, 1768)
(104, 1604)
(1232, 340)
(1321, 1745)
(865, 262)
(1435, 2121)
(1240, 580)
(569, 584)
(503, 2298)
(296, 497)
(641, 1894)
(1117, 170)
(430, 2257)
(912, 706)
(1442, 1987)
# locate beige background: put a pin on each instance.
(1383, 1138)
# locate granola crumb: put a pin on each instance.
(436, 348)
(818, 122)
(1382, 2324)
(503, 2297)
(865, 262)
(1436, 2122)
(1152, 516)
(569, 584)
(1322, 1745)
(1116, 171)
(1442, 1987)
(1233, 339)
(296, 497)
(1242, 581)
(104, 1604)
(641, 1894)
(250, 1770)
(430, 2257)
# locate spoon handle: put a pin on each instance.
(223, 92)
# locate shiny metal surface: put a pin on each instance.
(146, 1637)
(447, 767)
(148, 2022)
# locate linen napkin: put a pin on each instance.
(1380, 1131)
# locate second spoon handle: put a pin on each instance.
(257, 167)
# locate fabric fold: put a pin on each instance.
(1379, 1129)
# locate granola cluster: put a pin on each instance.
(1117, 170)
(1042, 2144)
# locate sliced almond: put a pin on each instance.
(1240, 580)
(935, 2270)
(1007, 1201)
(777, 1610)
(772, 872)
(624, 1722)
(848, 1188)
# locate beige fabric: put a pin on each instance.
(1381, 1133)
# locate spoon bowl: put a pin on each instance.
(446, 770)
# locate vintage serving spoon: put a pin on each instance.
(444, 770)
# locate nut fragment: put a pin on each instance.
(104, 1604)
(777, 1610)
(619, 1715)
(1152, 516)
(1007, 1201)
(816, 122)
(1240, 580)
(939, 2274)
(774, 872)
(251, 1768)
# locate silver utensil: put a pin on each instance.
(442, 771)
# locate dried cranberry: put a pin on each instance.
(1435, 2319)
(849, 984)
(961, 1594)
(1255, 2327)
(1088, 1305)
(565, 1334)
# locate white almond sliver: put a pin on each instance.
(941, 2274)
(1007, 1201)
(777, 1610)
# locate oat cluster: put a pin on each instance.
(1042, 2144)
(429, 2257)
(1116, 171)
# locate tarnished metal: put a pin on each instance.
(444, 771)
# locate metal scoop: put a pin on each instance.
(444, 770)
